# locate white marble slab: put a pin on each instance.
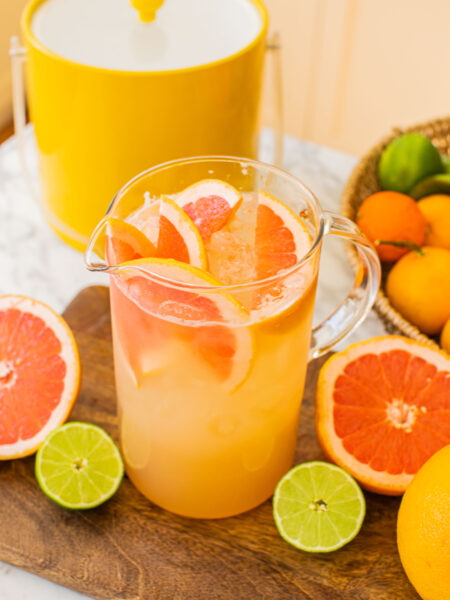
(34, 262)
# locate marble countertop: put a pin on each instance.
(34, 262)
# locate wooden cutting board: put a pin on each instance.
(130, 549)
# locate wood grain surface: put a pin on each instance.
(130, 549)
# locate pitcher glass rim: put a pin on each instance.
(191, 287)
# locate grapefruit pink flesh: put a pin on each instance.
(383, 408)
(205, 321)
(209, 203)
(39, 374)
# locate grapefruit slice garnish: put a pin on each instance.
(383, 408)
(165, 226)
(212, 323)
(209, 203)
(178, 236)
(39, 374)
(146, 219)
(125, 242)
(281, 238)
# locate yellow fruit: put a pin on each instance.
(445, 337)
(436, 210)
(423, 528)
(418, 286)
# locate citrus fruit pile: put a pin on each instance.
(409, 224)
(206, 236)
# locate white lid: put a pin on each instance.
(109, 34)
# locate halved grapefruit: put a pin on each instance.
(212, 323)
(125, 242)
(209, 203)
(383, 408)
(39, 374)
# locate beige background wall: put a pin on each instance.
(355, 68)
(352, 68)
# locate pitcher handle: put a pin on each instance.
(17, 55)
(361, 297)
(273, 46)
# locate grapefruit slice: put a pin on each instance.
(383, 408)
(169, 229)
(209, 203)
(211, 323)
(281, 238)
(146, 219)
(125, 242)
(178, 236)
(39, 374)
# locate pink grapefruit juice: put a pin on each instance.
(209, 383)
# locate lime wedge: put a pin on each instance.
(78, 466)
(318, 507)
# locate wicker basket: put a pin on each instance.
(363, 182)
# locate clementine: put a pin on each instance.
(391, 217)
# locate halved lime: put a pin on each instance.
(318, 507)
(79, 466)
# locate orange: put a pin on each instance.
(125, 242)
(391, 216)
(209, 203)
(382, 409)
(203, 319)
(436, 210)
(418, 286)
(423, 528)
(39, 374)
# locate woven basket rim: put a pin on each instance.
(389, 315)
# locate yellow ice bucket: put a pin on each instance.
(97, 126)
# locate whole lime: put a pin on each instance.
(407, 160)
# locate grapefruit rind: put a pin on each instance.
(171, 272)
(332, 445)
(69, 354)
(118, 230)
(292, 221)
(208, 188)
(188, 231)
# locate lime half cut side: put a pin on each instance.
(79, 466)
(318, 507)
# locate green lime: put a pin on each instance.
(78, 466)
(407, 160)
(446, 162)
(318, 507)
(436, 184)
